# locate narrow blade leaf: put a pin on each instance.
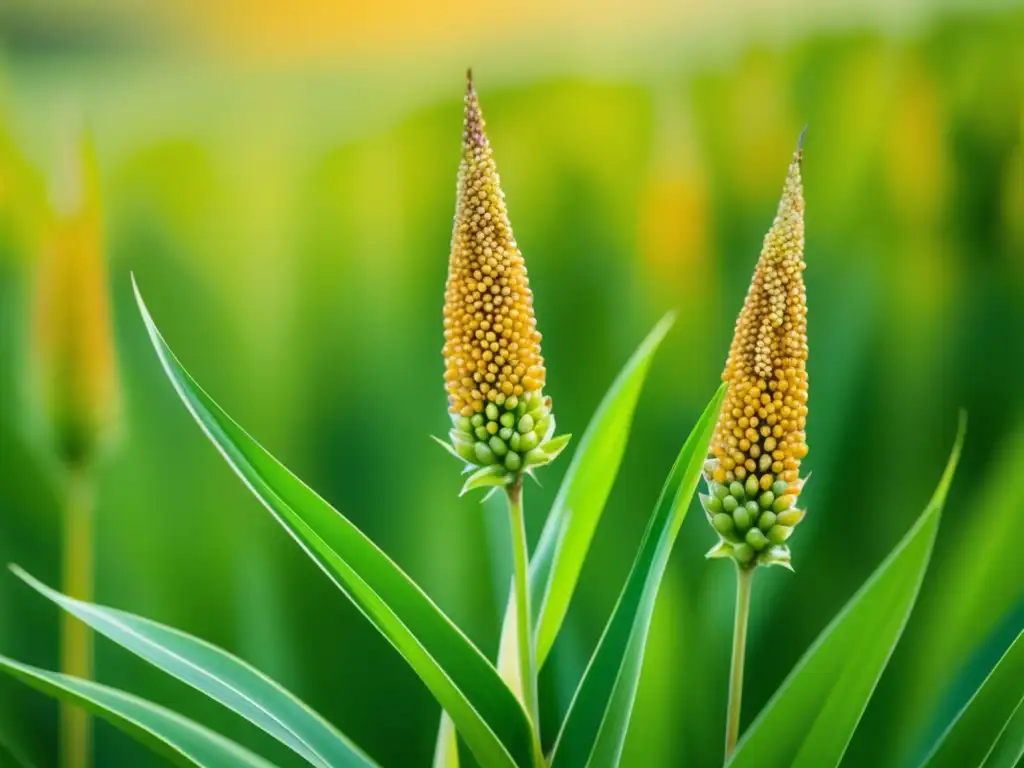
(221, 676)
(555, 566)
(1009, 750)
(181, 741)
(486, 713)
(595, 727)
(811, 719)
(975, 732)
(967, 597)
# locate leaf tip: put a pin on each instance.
(667, 321)
(32, 581)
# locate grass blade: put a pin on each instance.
(486, 713)
(555, 566)
(221, 676)
(595, 727)
(812, 717)
(968, 597)
(181, 741)
(973, 735)
(1009, 750)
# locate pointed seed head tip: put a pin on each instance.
(800, 141)
(473, 129)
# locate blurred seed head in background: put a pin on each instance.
(72, 348)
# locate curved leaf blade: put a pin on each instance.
(180, 740)
(224, 678)
(595, 726)
(487, 714)
(810, 720)
(973, 735)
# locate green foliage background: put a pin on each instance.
(290, 231)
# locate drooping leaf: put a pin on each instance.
(221, 676)
(180, 740)
(812, 717)
(595, 726)
(486, 713)
(555, 565)
(973, 735)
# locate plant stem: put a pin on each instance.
(744, 578)
(524, 622)
(76, 637)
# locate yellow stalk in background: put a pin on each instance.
(76, 391)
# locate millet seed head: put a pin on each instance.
(491, 342)
(760, 440)
(502, 423)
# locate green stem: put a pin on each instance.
(76, 638)
(744, 578)
(526, 650)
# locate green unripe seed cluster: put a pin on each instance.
(754, 523)
(507, 433)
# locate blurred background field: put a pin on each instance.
(281, 182)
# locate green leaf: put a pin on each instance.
(486, 713)
(181, 741)
(221, 676)
(595, 726)
(1009, 750)
(811, 718)
(974, 733)
(971, 589)
(556, 564)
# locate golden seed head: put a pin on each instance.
(761, 429)
(491, 342)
